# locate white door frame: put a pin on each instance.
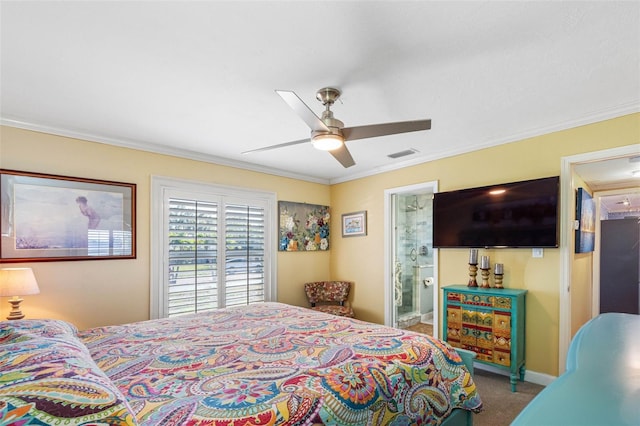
(567, 209)
(389, 219)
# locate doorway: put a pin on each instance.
(570, 169)
(411, 291)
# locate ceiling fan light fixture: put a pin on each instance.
(327, 142)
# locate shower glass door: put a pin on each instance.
(413, 272)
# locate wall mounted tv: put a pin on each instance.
(516, 214)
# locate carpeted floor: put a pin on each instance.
(501, 406)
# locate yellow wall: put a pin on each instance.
(93, 293)
(362, 259)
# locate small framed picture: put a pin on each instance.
(354, 224)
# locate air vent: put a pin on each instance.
(404, 153)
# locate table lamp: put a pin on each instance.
(16, 282)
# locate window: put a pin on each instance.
(211, 247)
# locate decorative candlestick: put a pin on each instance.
(499, 274)
(484, 268)
(473, 271)
(485, 278)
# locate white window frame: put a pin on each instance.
(161, 187)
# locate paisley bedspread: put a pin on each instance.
(276, 364)
(264, 364)
(47, 377)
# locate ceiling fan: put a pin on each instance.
(329, 133)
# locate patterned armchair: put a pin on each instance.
(330, 297)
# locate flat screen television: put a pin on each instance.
(517, 214)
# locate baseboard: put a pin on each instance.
(529, 376)
(427, 318)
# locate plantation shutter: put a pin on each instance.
(193, 254)
(244, 254)
(197, 231)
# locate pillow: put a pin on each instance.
(11, 331)
(48, 377)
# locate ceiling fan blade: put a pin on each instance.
(343, 155)
(268, 148)
(384, 129)
(307, 115)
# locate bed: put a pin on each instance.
(263, 364)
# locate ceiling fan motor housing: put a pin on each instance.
(328, 95)
(333, 124)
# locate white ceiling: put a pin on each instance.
(197, 79)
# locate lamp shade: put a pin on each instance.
(17, 282)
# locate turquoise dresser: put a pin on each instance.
(601, 386)
(489, 322)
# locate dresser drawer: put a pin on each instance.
(502, 343)
(502, 322)
(502, 302)
(502, 358)
(454, 315)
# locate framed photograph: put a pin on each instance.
(53, 218)
(303, 227)
(586, 219)
(354, 224)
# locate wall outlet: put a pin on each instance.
(537, 252)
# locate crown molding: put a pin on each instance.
(157, 149)
(596, 116)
